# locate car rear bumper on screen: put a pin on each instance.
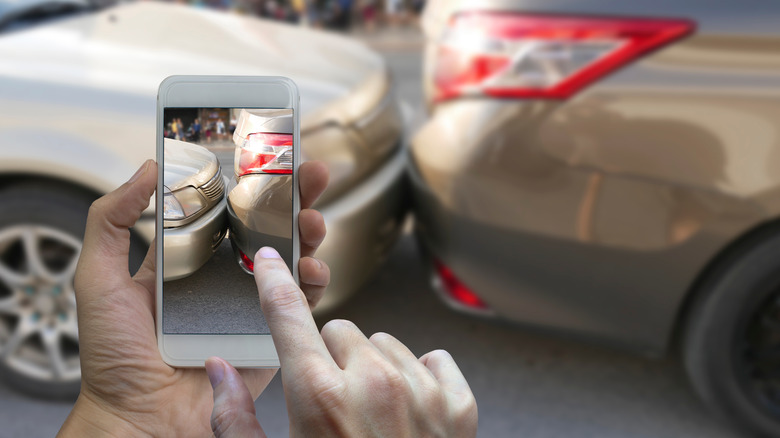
(258, 212)
(362, 226)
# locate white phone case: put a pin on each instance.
(241, 350)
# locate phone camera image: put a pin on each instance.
(227, 192)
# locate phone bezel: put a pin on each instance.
(191, 350)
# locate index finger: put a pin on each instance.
(296, 337)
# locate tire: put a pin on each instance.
(732, 340)
(41, 232)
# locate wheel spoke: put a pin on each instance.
(51, 342)
(12, 278)
(32, 253)
(70, 272)
(66, 275)
(24, 328)
(70, 295)
(70, 328)
(9, 305)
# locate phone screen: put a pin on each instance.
(228, 191)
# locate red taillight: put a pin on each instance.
(249, 263)
(266, 153)
(457, 290)
(541, 56)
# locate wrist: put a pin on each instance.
(89, 418)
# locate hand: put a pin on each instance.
(338, 383)
(126, 388)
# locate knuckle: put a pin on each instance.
(336, 326)
(325, 270)
(431, 395)
(314, 272)
(97, 207)
(381, 337)
(441, 354)
(223, 418)
(389, 380)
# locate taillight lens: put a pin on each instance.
(266, 153)
(457, 290)
(248, 263)
(512, 55)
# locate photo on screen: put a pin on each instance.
(227, 192)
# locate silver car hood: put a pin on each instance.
(131, 48)
(187, 164)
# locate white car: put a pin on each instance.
(78, 88)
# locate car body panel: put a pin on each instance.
(280, 121)
(356, 150)
(187, 164)
(190, 242)
(260, 205)
(259, 213)
(597, 214)
(189, 247)
(362, 227)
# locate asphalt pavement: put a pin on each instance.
(526, 384)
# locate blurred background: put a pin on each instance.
(578, 199)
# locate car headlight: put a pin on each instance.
(182, 203)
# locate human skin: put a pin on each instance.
(337, 382)
(126, 388)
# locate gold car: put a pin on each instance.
(612, 170)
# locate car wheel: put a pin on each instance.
(732, 342)
(41, 232)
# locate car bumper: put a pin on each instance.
(547, 283)
(363, 225)
(549, 243)
(258, 211)
(187, 248)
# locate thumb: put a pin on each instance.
(107, 236)
(234, 409)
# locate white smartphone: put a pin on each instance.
(228, 152)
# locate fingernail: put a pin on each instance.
(141, 170)
(267, 252)
(216, 371)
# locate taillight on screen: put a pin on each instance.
(248, 263)
(266, 153)
(456, 290)
(511, 55)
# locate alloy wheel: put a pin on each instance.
(38, 328)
